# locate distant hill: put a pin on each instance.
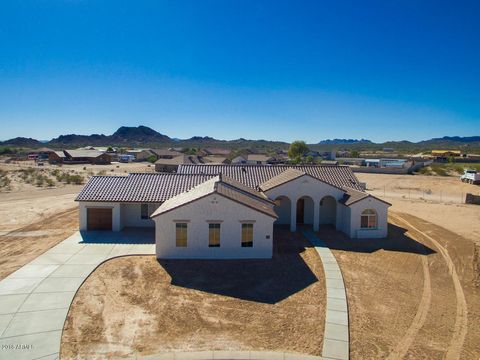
(124, 136)
(454, 139)
(23, 142)
(344, 141)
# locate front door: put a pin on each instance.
(300, 211)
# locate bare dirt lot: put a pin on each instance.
(26, 243)
(32, 220)
(136, 305)
(414, 295)
(436, 199)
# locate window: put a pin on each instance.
(368, 220)
(181, 234)
(247, 235)
(213, 235)
(144, 211)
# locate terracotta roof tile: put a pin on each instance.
(254, 175)
(154, 188)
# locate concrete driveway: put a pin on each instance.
(35, 299)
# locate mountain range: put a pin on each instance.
(143, 136)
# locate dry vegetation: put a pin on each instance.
(137, 306)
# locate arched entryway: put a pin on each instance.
(283, 208)
(305, 210)
(328, 211)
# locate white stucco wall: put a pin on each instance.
(132, 217)
(116, 217)
(305, 186)
(213, 208)
(382, 219)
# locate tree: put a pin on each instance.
(354, 154)
(152, 159)
(309, 159)
(297, 149)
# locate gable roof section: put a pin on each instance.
(80, 153)
(353, 196)
(282, 178)
(255, 175)
(220, 186)
(155, 188)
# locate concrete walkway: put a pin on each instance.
(34, 300)
(336, 337)
(229, 355)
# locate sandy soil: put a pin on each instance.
(31, 205)
(463, 219)
(28, 242)
(137, 306)
(415, 295)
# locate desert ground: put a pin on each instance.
(437, 199)
(139, 306)
(414, 295)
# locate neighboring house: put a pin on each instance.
(126, 158)
(165, 153)
(171, 165)
(86, 157)
(139, 155)
(215, 160)
(57, 157)
(215, 152)
(259, 159)
(228, 211)
(239, 160)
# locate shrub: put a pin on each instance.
(439, 170)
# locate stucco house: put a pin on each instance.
(229, 211)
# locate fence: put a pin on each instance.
(452, 197)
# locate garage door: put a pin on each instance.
(99, 219)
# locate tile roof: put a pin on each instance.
(254, 175)
(83, 153)
(182, 159)
(155, 188)
(165, 152)
(282, 178)
(258, 157)
(222, 186)
(353, 196)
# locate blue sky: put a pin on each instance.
(283, 70)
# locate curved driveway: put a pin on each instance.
(34, 300)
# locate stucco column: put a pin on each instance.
(293, 216)
(316, 215)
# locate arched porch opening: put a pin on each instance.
(283, 208)
(328, 211)
(305, 210)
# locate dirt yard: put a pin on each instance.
(415, 295)
(138, 306)
(32, 220)
(432, 198)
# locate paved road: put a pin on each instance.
(34, 300)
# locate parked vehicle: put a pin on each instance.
(471, 177)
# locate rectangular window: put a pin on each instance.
(181, 234)
(247, 235)
(213, 235)
(144, 211)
